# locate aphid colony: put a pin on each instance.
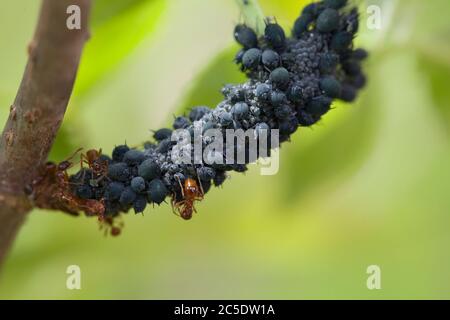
(292, 82)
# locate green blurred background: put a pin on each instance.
(368, 185)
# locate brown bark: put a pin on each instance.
(38, 109)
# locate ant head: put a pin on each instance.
(192, 189)
(93, 154)
(50, 166)
(189, 182)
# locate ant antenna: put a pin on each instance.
(74, 154)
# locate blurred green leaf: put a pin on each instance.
(15, 35)
(104, 10)
(425, 18)
(438, 74)
(114, 36)
(322, 157)
(64, 144)
(430, 37)
(285, 11)
(207, 86)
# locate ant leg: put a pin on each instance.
(200, 183)
(83, 176)
(75, 183)
(82, 159)
(103, 227)
(84, 171)
(92, 175)
(74, 154)
(172, 202)
(66, 175)
(120, 224)
(181, 187)
(176, 205)
(100, 179)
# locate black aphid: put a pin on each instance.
(292, 83)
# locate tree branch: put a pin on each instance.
(38, 110)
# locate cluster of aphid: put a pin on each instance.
(292, 82)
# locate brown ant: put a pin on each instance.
(51, 190)
(98, 166)
(190, 192)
